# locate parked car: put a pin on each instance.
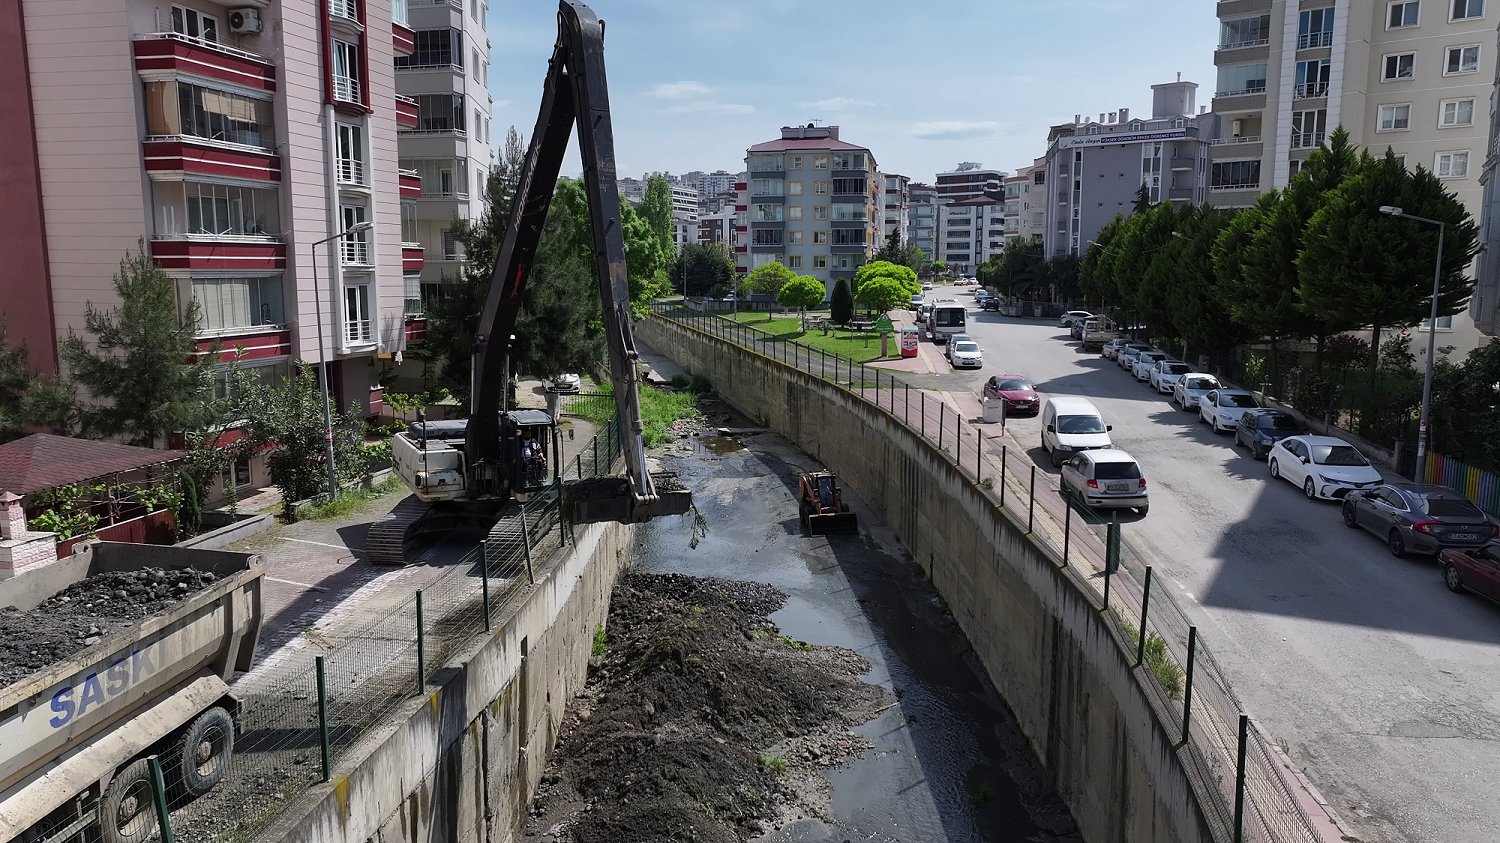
(1106, 479)
(1075, 330)
(1071, 423)
(1419, 519)
(1163, 376)
(565, 383)
(1258, 430)
(1476, 570)
(1322, 466)
(917, 300)
(1112, 348)
(1096, 332)
(965, 354)
(1145, 362)
(926, 286)
(1016, 391)
(1222, 408)
(1126, 357)
(991, 304)
(952, 338)
(1067, 319)
(729, 299)
(1191, 387)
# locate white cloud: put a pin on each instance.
(837, 104)
(706, 108)
(953, 129)
(678, 90)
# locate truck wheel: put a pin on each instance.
(201, 756)
(127, 813)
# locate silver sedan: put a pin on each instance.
(1191, 387)
(1222, 408)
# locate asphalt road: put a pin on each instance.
(1382, 685)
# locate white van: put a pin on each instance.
(1071, 423)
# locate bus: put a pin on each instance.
(944, 319)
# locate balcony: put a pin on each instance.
(218, 252)
(344, 11)
(1315, 39)
(1180, 194)
(1306, 140)
(1240, 45)
(177, 155)
(352, 173)
(412, 257)
(346, 89)
(359, 332)
(411, 184)
(1235, 140)
(1310, 90)
(406, 113)
(1244, 92)
(1227, 188)
(403, 39)
(256, 342)
(354, 252)
(1180, 165)
(168, 51)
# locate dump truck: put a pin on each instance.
(76, 734)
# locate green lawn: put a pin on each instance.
(659, 409)
(861, 347)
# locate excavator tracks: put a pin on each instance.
(385, 544)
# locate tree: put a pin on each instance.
(905, 276)
(768, 279)
(1095, 276)
(1019, 268)
(144, 368)
(802, 292)
(559, 328)
(1195, 305)
(1142, 200)
(25, 400)
(1466, 408)
(891, 250)
(841, 304)
(1063, 276)
(939, 267)
(656, 210)
(883, 293)
(701, 267)
(1376, 269)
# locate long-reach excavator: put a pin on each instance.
(464, 474)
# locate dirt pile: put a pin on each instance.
(86, 611)
(702, 722)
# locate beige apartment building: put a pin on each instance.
(1412, 76)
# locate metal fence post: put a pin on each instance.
(922, 410)
(1187, 688)
(942, 410)
(159, 785)
(596, 452)
(1140, 646)
(526, 542)
(578, 464)
(484, 580)
(322, 671)
(1067, 522)
(1031, 501)
(978, 456)
(823, 363)
(906, 411)
(421, 647)
(1239, 782)
(1002, 473)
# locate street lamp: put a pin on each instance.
(1437, 281)
(357, 228)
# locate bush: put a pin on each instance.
(700, 385)
(681, 382)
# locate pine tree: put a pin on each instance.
(141, 374)
(25, 400)
(841, 305)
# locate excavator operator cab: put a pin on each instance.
(530, 445)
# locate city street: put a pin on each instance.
(1378, 682)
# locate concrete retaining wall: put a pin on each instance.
(462, 763)
(1045, 646)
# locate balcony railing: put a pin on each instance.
(351, 171)
(204, 43)
(1236, 45)
(1243, 93)
(346, 9)
(355, 252)
(359, 331)
(457, 133)
(1315, 39)
(1309, 90)
(1215, 188)
(457, 4)
(1306, 140)
(346, 89)
(1242, 139)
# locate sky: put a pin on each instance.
(923, 85)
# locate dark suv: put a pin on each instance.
(1258, 430)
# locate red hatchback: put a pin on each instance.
(1019, 395)
(1473, 569)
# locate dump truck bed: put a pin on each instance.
(52, 716)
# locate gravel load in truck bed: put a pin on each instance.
(86, 611)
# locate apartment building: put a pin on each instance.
(229, 139)
(968, 180)
(1412, 76)
(1095, 169)
(970, 232)
(685, 201)
(717, 228)
(921, 217)
(895, 205)
(444, 79)
(1025, 212)
(810, 202)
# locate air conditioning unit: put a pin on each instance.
(244, 21)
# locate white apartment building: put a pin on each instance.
(1411, 76)
(685, 201)
(970, 232)
(922, 218)
(1025, 202)
(895, 206)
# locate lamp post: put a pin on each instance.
(357, 228)
(1437, 286)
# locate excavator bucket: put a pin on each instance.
(832, 524)
(599, 499)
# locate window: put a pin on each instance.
(435, 48)
(478, 129)
(1400, 66)
(356, 247)
(794, 162)
(767, 212)
(794, 262)
(194, 24)
(1452, 165)
(1462, 60)
(794, 212)
(1241, 79)
(358, 327)
(228, 303)
(764, 161)
(181, 108)
(1151, 169)
(794, 237)
(848, 237)
(1312, 78)
(820, 188)
(820, 212)
(1039, 177)
(1465, 9)
(1455, 113)
(1400, 158)
(1394, 118)
(820, 162)
(409, 221)
(848, 185)
(474, 63)
(1244, 32)
(214, 209)
(1401, 14)
(440, 112)
(345, 72)
(794, 188)
(820, 262)
(849, 161)
(1315, 28)
(767, 187)
(846, 262)
(450, 244)
(1308, 128)
(765, 237)
(850, 211)
(1444, 323)
(820, 238)
(351, 154)
(1234, 175)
